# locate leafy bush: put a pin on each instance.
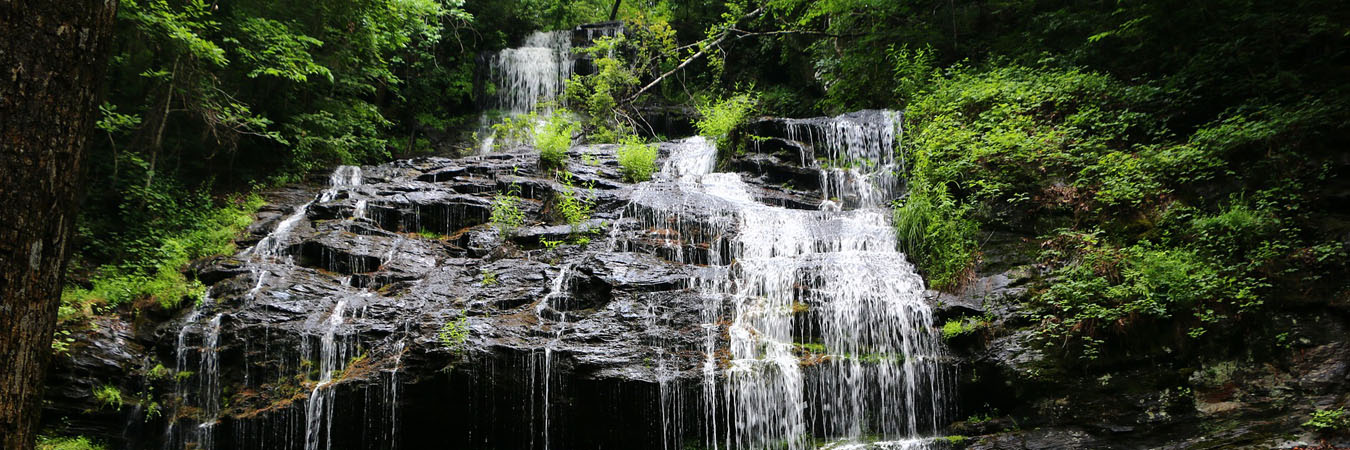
(717, 118)
(157, 273)
(66, 443)
(575, 208)
(1329, 420)
(506, 213)
(554, 139)
(1137, 229)
(514, 130)
(938, 235)
(637, 160)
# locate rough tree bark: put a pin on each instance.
(52, 59)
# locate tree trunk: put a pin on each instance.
(52, 59)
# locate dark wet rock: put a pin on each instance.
(1046, 439)
(1000, 293)
(102, 355)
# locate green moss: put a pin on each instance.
(960, 327)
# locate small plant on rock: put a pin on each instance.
(506, 212)
(1329, 420)
(489, 277)
(454, 333)
(637, 160)
(109, 396)
(554, 139)
(575, 208)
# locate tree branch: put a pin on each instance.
(709, 42)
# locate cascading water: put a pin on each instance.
(528, 78)
(865, 360)
(531, 75)
(858, 149)
(331, 358)
(202, 397)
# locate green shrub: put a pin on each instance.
(637, 160)
(718, 118)
(454, 334)
(554, 139)
(1329, 420)
(506, 213)
(489, 278)
(514, 130)
(938, 235)
(575, 208)
(158, 275)
(66, 443)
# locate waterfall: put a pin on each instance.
(525, 77)
(864, 362)
(555, 289)
(320, 404)
(202, 398)
(859, 153)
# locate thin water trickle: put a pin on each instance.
(320, 404)
(202, 393)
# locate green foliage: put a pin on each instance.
(109, 396)
(574, 207)
(506, 213)
(514, 130)
(159, 372)
(554, 139)
(637, 160)
(1086, 160)
(597, 96)
(176, 231)
(489, 278)
(1329, 420)
(66, 443)
(954, 439)
(938, 234)
(955, 328)
(717, 118)
(454, 334)
(430, 235)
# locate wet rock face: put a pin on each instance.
(393, 314)
(1017, 392)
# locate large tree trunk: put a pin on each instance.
(52, 58)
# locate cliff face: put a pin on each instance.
(387, 310)
(1255, 391)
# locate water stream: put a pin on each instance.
(828, 335)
